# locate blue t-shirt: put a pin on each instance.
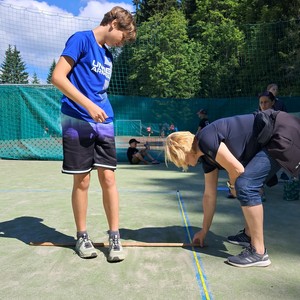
(235, 132)
(90, 74)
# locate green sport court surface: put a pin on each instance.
(35, 206)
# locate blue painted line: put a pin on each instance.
(222, 188)
(200, 274)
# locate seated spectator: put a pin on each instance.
(135, 156)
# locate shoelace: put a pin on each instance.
(86, 241)
(115, 242)
(246, 251)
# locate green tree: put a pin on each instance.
(35, 79)
(13, 68)
(214, 28)
(258, 11)
(166, 62)
(49, 77)
(148, 8)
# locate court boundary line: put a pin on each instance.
(200, 274)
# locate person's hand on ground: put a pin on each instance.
(199, 238)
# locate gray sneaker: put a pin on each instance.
(84, 247)
(241, 239)
(250, 258)
(115, 252)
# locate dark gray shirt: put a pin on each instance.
(235, 132)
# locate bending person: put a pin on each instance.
(229, 144)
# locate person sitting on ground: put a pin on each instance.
(135, 156)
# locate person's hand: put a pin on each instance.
(97, 113)
(199, 238)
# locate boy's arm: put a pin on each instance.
(61, 81)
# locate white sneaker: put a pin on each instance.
(115, 252)
(84, 247)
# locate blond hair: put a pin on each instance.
(177, 145)
(125, 22)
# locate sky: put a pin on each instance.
(77, 6)
(39, 29)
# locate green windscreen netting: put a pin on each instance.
(30, 119)
(159, 82)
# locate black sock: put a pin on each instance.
(113, 233)
(81, 233)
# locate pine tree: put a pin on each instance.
(35, 79)
(51, 71)
(13, 68)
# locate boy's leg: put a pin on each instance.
(110, 197)
(78, 158)
(111, 207)
(84, 246)
(139, 157)
(145, 152)
(80, 199)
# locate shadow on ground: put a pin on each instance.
(176, 234)
(31, 229)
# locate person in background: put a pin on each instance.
(202, 114)
(266, 100)
(83, 74)
(277, 105)
(136, 156)
(172, 128)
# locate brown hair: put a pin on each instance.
(177, 145)
(125, 22)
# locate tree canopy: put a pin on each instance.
(200, 49)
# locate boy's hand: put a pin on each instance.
(97, 113)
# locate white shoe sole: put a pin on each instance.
(263, 263)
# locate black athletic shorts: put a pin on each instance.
(87, 145)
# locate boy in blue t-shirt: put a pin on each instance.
(82, 74)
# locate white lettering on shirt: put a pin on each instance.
(99, 68)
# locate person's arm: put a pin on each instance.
(61, 81)
(227, 160)
(209, 205)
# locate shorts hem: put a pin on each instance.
(76, 172)
(104, 166)
(250, 203)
